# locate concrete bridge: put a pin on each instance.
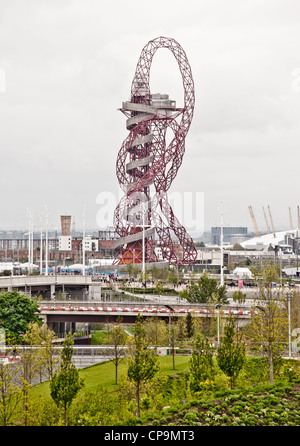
(60, 314)
(49, 286)
(87, 312)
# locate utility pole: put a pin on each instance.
(143, 277)
(29, 240)
(41, 248)
(83, 239)
(222, 255)
(297, 251)
(46, 247)
(218, 306)
(55, 251)
(289, 295)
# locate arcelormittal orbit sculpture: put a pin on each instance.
(146, 165)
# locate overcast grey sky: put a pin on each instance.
(68, 65)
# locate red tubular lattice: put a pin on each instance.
(153, 164)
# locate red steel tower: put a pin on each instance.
(146, 165)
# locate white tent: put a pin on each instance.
(28, 265)
(242, 273)
(6, 266)
(78, 266)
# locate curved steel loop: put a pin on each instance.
(151, 162)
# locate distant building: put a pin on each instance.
(107, 239)
(65, 239)
(64, 243)
(90, 244)
(231, 235)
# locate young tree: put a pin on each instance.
(159, 288)
(30, 359)
(189, 324)
(201, 362)
(10, 393)
(205, 291)
(231, 354)
(239, 296)
(66, 383)
(49, 353)
(173, 339)
(269, 325)
(142, 364)
(156, 331)
(172, 278)
(117, 338)
(30, 362)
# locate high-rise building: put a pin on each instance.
(65, 239)
(65, 221)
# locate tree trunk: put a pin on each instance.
(271, 368)
(138, 400)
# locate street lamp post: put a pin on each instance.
(55, 254)
(289, 295)
(218, 306)
(46, 243)
(170, 310)
(144, 245)
(222, 252)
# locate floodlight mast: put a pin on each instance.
(146, 166)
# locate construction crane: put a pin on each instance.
(268, 227)
(254, 221)
(271, 219)
(291, 221)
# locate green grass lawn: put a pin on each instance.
(104, 374)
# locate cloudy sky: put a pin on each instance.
(67, 65)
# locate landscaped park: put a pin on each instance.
(215, 372)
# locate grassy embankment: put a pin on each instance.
(104, 374)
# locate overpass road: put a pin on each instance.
(94, 313)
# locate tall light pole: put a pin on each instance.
(41, 249)
(289, 296)
(29, 242)
(55, 254)
(218, 306)
(143, 277)
(31, 263)
(170, 311)
(46, 243)
(222, 266)
(83, 239)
